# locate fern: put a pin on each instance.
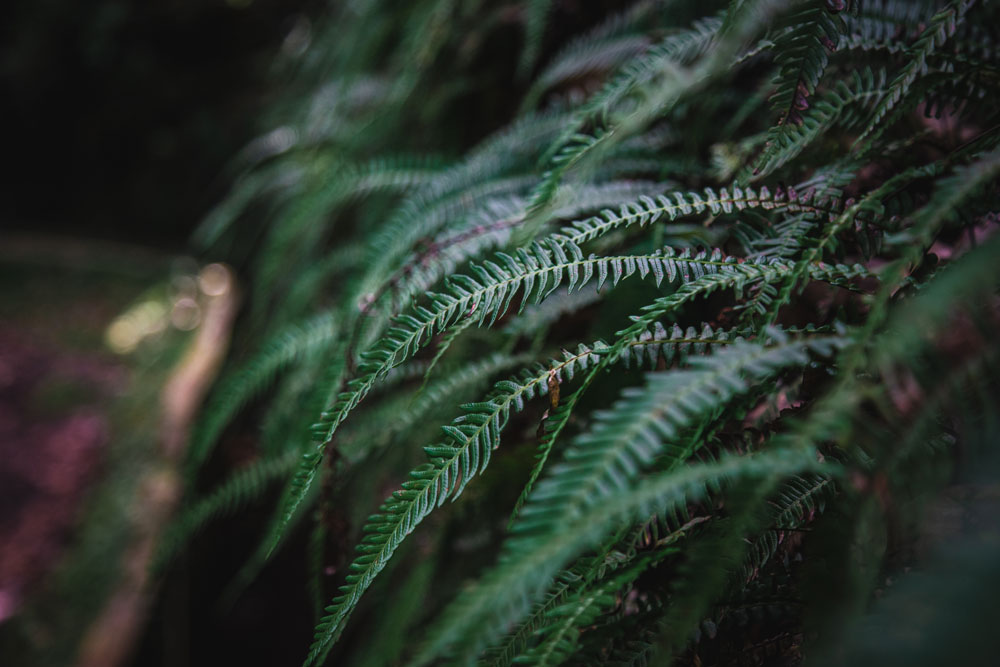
(535, 21)
(803, 52)
(941, 26)
(627, 439)
(389, 419)
(791, 138)
(241, 488)
(471, 441)
(499, 597)
(653, 346)
(296, 343)
(559, 640)
(489, 295)
(810, 344)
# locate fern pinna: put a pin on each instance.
(716, 327)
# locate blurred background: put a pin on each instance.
(119, 118)
(120, 114)
(122, 121)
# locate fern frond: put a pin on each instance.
(536, 273)
(585, 594)
(559, 638)
(604, 47)
(471, 439)
(800, 499)
(569, 154)
(709, 562)
(535, 20)
(654, 346)
(625, 440)
(426, 215)
(871, 205)
(551, 428)
(601, 56)
(602, 462)
(903, 336)
(505, 652)
(766, 273)
(634, 646)
(658, 345)
(298, 302)
(787, 140)
(681, 46)
(295, 343)
(490, 169)
(393, 173)
(388, 419)
(647, 210)
(941, 26)
(492, 226)
(885, 20)
(794, 504)
(446, 341)
(505, 592)
(241, 488)
(802, 52)
(268, 181)
(302, 222)
(388, 641)
(573, 147)
(965, 182)
(969, 276)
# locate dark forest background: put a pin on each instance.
(119, 118)
(119, 115)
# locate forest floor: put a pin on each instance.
(80, 420)
(53, 432)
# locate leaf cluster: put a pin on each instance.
(625, 360)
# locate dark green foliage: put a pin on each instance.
(709, 380)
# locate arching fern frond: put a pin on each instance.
(493, 226)
(660, 68)
(296, 343)
(600, 466)
(653, 347)
(941, 26)
(628, 438)
(786, 141)
(794, 504)
(470, 442)
(558, 639)
(535, 20)
(535, 274)
(802, 51)
(505, 592)
(244, 486)
(389, 419)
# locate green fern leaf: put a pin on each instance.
(503, 594)
(296, 343)
(535, 273)
(937, 32)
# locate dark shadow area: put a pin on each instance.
(120, 115)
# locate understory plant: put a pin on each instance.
(662, 367)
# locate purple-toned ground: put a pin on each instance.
(53, 431)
